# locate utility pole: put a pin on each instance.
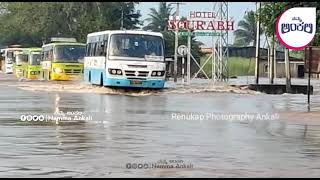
(287, 66)
(176, 41)
(258, 7)
(188, 57)
(271, 66)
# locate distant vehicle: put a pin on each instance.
(21, 59)
(123, 58)
(9, 57)
(62, 59)
(27, 63)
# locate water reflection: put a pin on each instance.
(141, 129)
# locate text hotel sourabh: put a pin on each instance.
(196, 22)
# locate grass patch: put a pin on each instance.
(237, 66)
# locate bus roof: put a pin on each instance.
(33, 49)
(63, 43)
(125, 32)
(12, 49)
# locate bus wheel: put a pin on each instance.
(101, 80)
(49, 76)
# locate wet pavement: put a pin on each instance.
(157, 129)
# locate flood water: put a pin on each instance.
(142, 128)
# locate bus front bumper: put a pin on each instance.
(33, 77)
(157, 84)
(65, 77)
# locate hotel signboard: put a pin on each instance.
(201, 24)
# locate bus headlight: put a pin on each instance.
(154, 73)
(158, 73)
(115, 71)
(57, 70)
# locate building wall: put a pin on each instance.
(280, 69)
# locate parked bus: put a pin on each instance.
(9, 58)
(125, 59)
(62, 59)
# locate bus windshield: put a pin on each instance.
(35, 59)
(136, 46)
(9, 58)
(69, 53)
(20, 58)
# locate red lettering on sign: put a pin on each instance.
(230, 25)
(220, 25)
(210, 25)
(200, 24)
(172, 24)
(191, 25)
(181, 24)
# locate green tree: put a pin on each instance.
(158, 20)
(33, 23)
(246, 34)
(271, 11)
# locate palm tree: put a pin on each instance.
(159, 19)
(248, 30)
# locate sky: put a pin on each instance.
(236, 10)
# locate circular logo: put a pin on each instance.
(296, 27)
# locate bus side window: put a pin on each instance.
(88, 49)
(50, 55)
(42, 56)
(105, 47)
(98, 49)
(102, 48)
(45, 55)
(92, 49)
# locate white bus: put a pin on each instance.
(9, 58)
(125, 58)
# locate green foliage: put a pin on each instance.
(247, 31)
(159, 18)
(237, 66)
(271, 11)
(33, 23)
(269, 15)
(297, 54)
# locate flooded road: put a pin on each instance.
(156, 127)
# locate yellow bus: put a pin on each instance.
(20, 61)
(62, 59)
(31, 66)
